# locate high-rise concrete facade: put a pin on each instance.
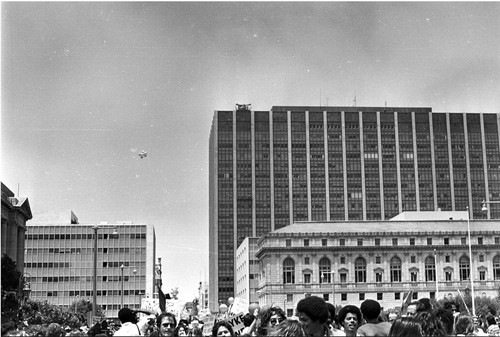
(271, 168)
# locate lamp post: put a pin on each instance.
(437, 269)
(94, 281)
(122, 278)
(485, 208)
(333, 283)
(471, 274)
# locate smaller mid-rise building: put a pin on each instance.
(349, 262)
(247, 270)
(60, 261)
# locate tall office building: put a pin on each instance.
(59, 262)
(269, 169)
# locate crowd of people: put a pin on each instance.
(313, 318)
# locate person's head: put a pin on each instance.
(181, 330)
(349, 318)
(370, 309)
(55, 330)
(195, 322)
(411, 311)
(271, 317)
(446, 318)
(288, 328)
(127, 315)
(490, 319)
(464, 325)
(314, 307)
(166, 324)
(248, 319)
(331, 313)
(431, 324)
(392, 317)
(406, 327)
(424, 304)
(222, 328)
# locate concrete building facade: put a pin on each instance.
(247, 270)
(346, 263)
(16, 212)
(269, 169)
(60, 261)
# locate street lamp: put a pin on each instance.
(471, 274)
(133, 271)
(325, 279)
(485, 208)
(94, 285)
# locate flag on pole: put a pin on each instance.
(162, 298)
(407, 300)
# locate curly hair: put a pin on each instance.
(225, 324)
(266, 317)
(288, 328)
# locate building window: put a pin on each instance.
(447, 258)
(413, 259)
(361, 296)
(360, 270)
(360, 242)
(415, 295)
(481, 258)
(464, 268)
(429, 241)
(482, 275)
(432, 295)
(378, 277)
(479, 240)
(288, 242)
(446, 241)
(289, 298)
(306, 260)
(395, 241)
(326, 297)
(430, 269)
(288, 271)
(377, 241)
(395, 266)
(341, 242)
(412, 241)
(325, 268)
(307, 278)
(397, 296)
(447, 276)
(496, 268)
(497, 240)
(463, 241)
(342, 260)
(343, 297)
(343, 278)
(324, 242)
(377, 259)
(306, 242)
(413, 276)
(380, 296)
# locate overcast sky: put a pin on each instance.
(86, 86)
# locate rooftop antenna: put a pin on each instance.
(354, 98)
(326, 98)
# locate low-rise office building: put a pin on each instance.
(60, 262)
(247, 270)
(348, 262)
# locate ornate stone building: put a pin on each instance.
(16, 212)
(348, 262)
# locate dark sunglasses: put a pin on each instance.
(168, 325)
(275, 321)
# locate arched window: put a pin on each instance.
(464, 268)
(395, 265)
(430, 269)
(288, 271)
(496, 267)
(325, 268)
(360, 270)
